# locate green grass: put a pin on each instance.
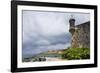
(76, 53)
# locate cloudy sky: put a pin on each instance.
(43, 31)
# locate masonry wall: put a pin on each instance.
(81, 36)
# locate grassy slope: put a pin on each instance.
(76, 53)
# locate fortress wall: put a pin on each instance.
(81, 36)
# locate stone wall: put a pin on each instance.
(81, 36)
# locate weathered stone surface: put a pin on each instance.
(81, 35)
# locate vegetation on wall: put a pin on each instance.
(76, 53)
